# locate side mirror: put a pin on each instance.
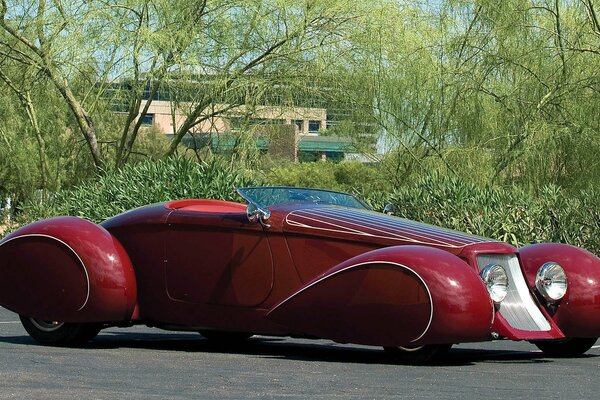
(258, 214)
(389, 209)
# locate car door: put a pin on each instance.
(217, 258)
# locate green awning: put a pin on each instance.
(223, 142)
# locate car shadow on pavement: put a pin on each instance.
(294, 349)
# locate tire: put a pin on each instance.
(418, 355)
(225, 337)
(572, 347)
(54, 333)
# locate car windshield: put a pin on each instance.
(266, 196)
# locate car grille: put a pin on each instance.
(518, 308)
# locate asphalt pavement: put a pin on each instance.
(145, 363)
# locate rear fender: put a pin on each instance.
(396, 296)
(66, 269)
(577, 314)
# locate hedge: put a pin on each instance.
(139, 184)
(510, 214)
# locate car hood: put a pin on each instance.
(369, 226)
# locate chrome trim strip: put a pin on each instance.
(401, 224)
(367, 263)
(518, 308)
(411, 227)
(374, 225)
(87, 277)
(344, 229)
(346, 221)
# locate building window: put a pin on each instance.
(299, 123)
(147, 119)
(314, 126)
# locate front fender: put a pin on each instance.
(396, 296)
(66, 269)
(577, 314)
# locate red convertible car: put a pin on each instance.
(299, 262)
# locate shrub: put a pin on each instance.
(308, 174)
(367, 181)
(139, 184)
(509, 214)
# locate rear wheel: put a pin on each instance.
(571, 347)
(418, 355)
(55, 333)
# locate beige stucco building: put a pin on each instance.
(303, 124)
(309, 121)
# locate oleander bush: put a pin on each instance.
(510, 213)
(347, 176)
(142, 183)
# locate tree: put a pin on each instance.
(506, 91)
(36, 32)
(523, 85)
(210, 56)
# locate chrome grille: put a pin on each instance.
(518, 308)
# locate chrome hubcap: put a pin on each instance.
(46, 326)
(410, 349)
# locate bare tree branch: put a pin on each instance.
(593, 16)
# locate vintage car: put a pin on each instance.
(298, 262)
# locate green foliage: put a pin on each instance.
(489, 110)
(505, 90)
(303, 175)
(347, 176)
(509, 214)
(139, 184)
(151, 143)
(18, 170)
(64, 158)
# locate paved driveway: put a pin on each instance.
(144, 363)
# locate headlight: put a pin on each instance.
(551, 281)
(495, 279)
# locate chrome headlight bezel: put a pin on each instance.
(495, 278)
(551, 281)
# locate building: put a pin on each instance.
(304, 125)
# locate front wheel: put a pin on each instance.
(418, 355)
(571, 347)
(55, 333)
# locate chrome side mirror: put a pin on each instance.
(257, 214)
(389, 209)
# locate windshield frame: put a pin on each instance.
(242, 192)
